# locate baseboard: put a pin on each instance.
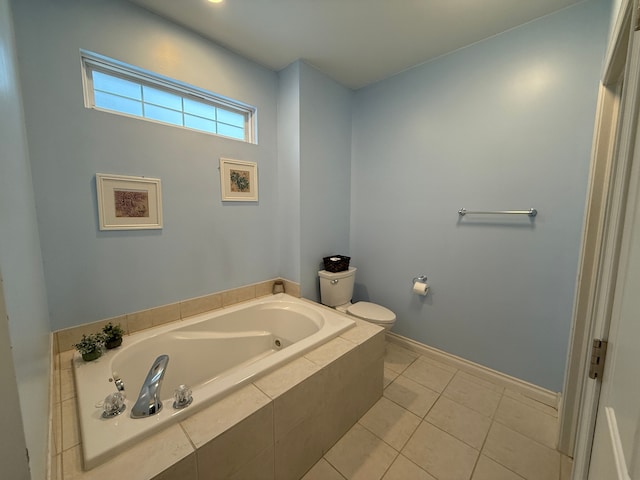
(527, 389)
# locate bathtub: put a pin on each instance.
(213, 353)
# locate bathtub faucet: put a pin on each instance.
(148, 402)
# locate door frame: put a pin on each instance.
(613, 148)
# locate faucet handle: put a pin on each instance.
(113, 405)
(182, 397)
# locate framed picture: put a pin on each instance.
(128, 203)
(238, 180)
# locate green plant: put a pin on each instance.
(112, 332)
(90, 343)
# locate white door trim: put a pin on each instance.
(623, 184)
(598, 251)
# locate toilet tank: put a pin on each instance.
(336, 288)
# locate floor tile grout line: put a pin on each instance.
(381, 439)
(329, 462)
(555, 449)
(413, 413)
(484, 442)
(527, 437)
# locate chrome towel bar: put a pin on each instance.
(532, 212)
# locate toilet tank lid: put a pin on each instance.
(337, 275)
(371, 311)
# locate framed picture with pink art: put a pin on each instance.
(128, 203)
(238, 180)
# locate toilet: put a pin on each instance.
(336, 290)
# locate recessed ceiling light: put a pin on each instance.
(215, 1)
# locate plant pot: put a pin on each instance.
(93, 355)
(113, 343)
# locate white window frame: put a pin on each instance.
(95, 62)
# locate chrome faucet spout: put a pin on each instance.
(148, 402)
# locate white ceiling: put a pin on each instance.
(356, 42)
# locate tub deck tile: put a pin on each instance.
(213, 421)
(330, 351)
(362, 332)
(143, 461)
(286, 377)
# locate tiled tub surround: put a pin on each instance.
(214, 353)
(276, 427)
(63, 340)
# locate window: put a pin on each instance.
(113, 86)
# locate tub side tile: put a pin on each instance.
(264, 288)
(258, 468)
(55, 349)
(185, 469)
(70, 427)
(213, 421)
(165, 314)
(348, 367)
(292, 288)
(56, 427)
(195, 306)
(67, 387)
(55, 383)
(72, 464)
(299, 403)
(286, 377)
(56, 356)
(237, 295)
(55, 469)
(153, 317)
(66, 359)
(138, 321)
(346, 405)
(229, 452)
(300, 448)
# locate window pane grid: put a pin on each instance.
(115, 94)
(114, 90)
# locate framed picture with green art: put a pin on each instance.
(238, 180)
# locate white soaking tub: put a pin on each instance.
(213, 353)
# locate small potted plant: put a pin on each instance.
(112, 335)
(90, 347)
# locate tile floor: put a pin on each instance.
(435, 422)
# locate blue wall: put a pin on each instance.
(325, 173)
(379, 175)
(289, 171)
(503, 124)
(205, 245)
(22, 281)
(314, 172)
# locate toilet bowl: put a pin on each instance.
(336, 290)
(371, 312)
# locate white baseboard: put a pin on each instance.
(527, 389)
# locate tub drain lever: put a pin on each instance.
(117, 381)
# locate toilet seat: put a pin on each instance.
(372, 312)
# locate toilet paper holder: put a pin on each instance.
(421, 278)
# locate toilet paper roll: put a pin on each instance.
(420, 288)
